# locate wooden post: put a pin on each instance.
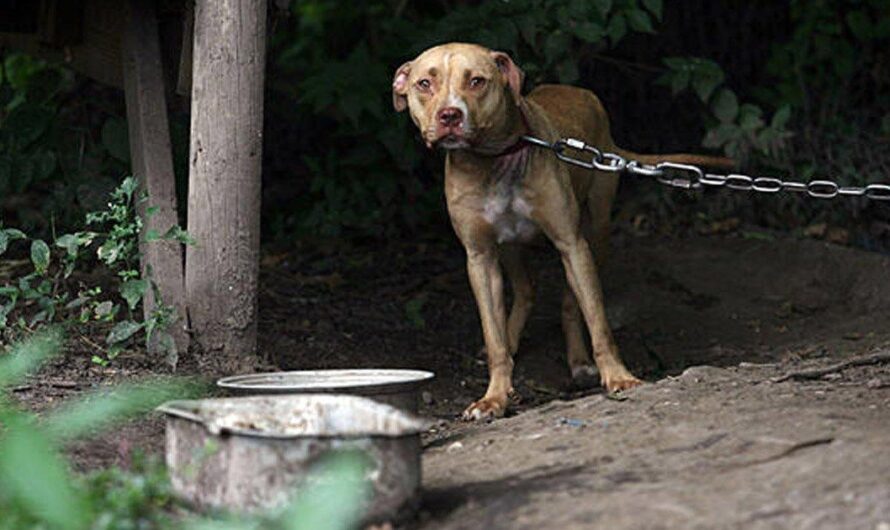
(152, 162)
(224, 182)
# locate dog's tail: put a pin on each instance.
(713, 162)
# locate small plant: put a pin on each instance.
(47, 496)
(38, 492)
(737, 129)
(46, 294)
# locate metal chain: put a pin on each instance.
(688, 177)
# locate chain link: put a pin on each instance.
(688, 176)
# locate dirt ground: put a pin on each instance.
(712, 441)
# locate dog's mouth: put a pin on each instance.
(450, 141)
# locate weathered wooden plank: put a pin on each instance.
(152, 160)
(224, 183)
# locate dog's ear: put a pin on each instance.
(513, 75)
(400, 87)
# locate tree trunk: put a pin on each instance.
(152, 163)
(224, 182)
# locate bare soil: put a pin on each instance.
(710, 442)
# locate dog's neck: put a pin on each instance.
(507, 139)
(506, 155)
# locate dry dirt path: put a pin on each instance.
(710, 448)
(719, 444)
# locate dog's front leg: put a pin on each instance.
(488, 288)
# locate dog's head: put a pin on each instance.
(458, 95)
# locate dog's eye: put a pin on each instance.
(423, 84)
(477, 82)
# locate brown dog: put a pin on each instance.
(502, 192)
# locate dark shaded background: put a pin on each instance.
(341, 168)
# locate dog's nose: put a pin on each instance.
(450, 116)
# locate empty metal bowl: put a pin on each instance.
(251, 453)
(399, 388)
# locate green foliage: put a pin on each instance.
(36, 488)
(737, 129)
(333, 67)
(50, 288)
(138, 499)
(38, 491)
(826, 65)
(49, 153)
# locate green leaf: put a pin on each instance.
(132, 291)
(27, 355)
(70, 243)
(726, 105)
(116, 139)
(720, 135)
(27, 123)
(781, 117)
(44, 163)
(33, 473)
(19, 69)
(655, 7)
(640, 21)
(104, 309)
(4, 241)
(109, 252)
(14, 234)
(97, 411)
(617, 29)
(603, 6)
(338, 494)
(556, 46)
(40, 255)
(128, 186)
(677, 63)
(680, 81)
(705, 81)
(750, 117)
(176, 233)
(589, 32)
(123, 331)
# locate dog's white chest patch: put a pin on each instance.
(504, 208)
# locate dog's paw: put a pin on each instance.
(487, 408)
(620, 381)
(585, 376)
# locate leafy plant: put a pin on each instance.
(57, 141)
(49, 285)
(47, 495)
(38, 491)
(737, 129)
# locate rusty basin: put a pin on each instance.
(399, 388)
(252, 453)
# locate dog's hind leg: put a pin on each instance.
(584, 373)
(523, 285)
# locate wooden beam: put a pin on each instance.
(224, 183)
(152, 162)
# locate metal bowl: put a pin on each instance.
(251, 453)
(399, 388)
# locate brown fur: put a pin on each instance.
(495, 200)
